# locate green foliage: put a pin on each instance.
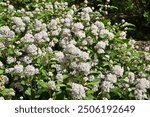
(89, 56)
(137, 12)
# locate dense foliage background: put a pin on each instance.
(74, 49)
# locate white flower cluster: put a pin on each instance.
(18, 69)
(123, 35)
(76, 52)
(10, 7)
(118, 70)
(141, 88)
(63, 45)
(143, 84)
(53, 27)
(147, 49)
(59, 77)
(71, 52)
(60, 57)
(6, 32)
(30, 70)
(11, 59)
(62, 5)
(106, 86)
(85, 13)
(41, 36)
(97, 27)
(106, 32)
(100, 46)
(39, 26)
(78, 91)
(49, 6)
(26, 59)
(31, 49)
(84, 67)
(51, 85)
(19, 25)
(131, 77)
(111, 78)
(140, 94)
(108, 82)
(28, 38)
(72, 49)
(26, 19)
(66, 32)
(68, 18)
(77, 29)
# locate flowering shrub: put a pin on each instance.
(61, 52)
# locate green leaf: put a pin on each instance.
(131, 95)
(42, 83)
(6, 91)
(1, 72)
(23, 82)
(37, 96)
(10, 51)
(130, 29)
(38, 61)
(146, 14)
(28, 92)
(89, 92)
(44, 73)
(95, 82)
(117, 92)
(103, 36)
(105, 64)
(65, 76)
(89, 97)
(128, 25)
(113, 8)
(61, 85)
